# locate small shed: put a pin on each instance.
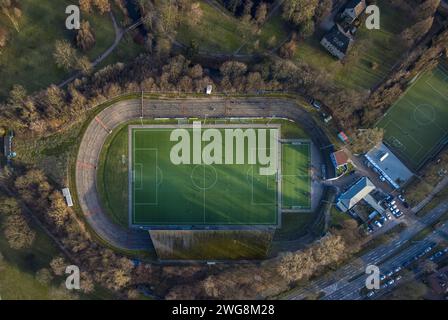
(68, 197)
(343, 137)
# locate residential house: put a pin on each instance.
(339, 159)
(340, 38)
(337, 42)
(353, 10)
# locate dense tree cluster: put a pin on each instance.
(67, 58)
(274, 276)
(366, 139)
(88, 6)
(15, 227)
(49, 109)
(303, 264)
(99, 265)
(250, 11)
(306, 14)
(423, 18)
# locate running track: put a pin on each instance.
(123, 111)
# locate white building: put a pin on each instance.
(389, 166)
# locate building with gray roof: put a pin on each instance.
(388, 165)
(337, 42)
(354, 194)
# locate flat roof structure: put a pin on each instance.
(388, 164)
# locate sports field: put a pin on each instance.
(168, 194)
(296, 184)
(416, 126)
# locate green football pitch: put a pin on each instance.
(416, 126)
(296, 180)
(166, 194)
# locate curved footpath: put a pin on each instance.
(108, 119)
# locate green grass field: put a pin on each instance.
(296, 184)
(113, 169)
(417, 124)
(215, 32)
(197, 194)
(223, 33)
(27, 58)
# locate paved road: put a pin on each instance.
(340, 280)
(352, 291)
(103, 124)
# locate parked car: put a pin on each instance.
(392, 203)
(316, 104)
(378, 224)
(370, 294)
(398, 214)
(397, 269)
(398, 278)
(402, 199)
(382, 178)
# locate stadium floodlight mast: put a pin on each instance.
(142, 102)
(229, 149)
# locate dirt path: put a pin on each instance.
(99, 129)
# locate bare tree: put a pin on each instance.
(85, 37)
(366, 139)
(65, 55)
(10, 10)
(261, 13)
(3, 37)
